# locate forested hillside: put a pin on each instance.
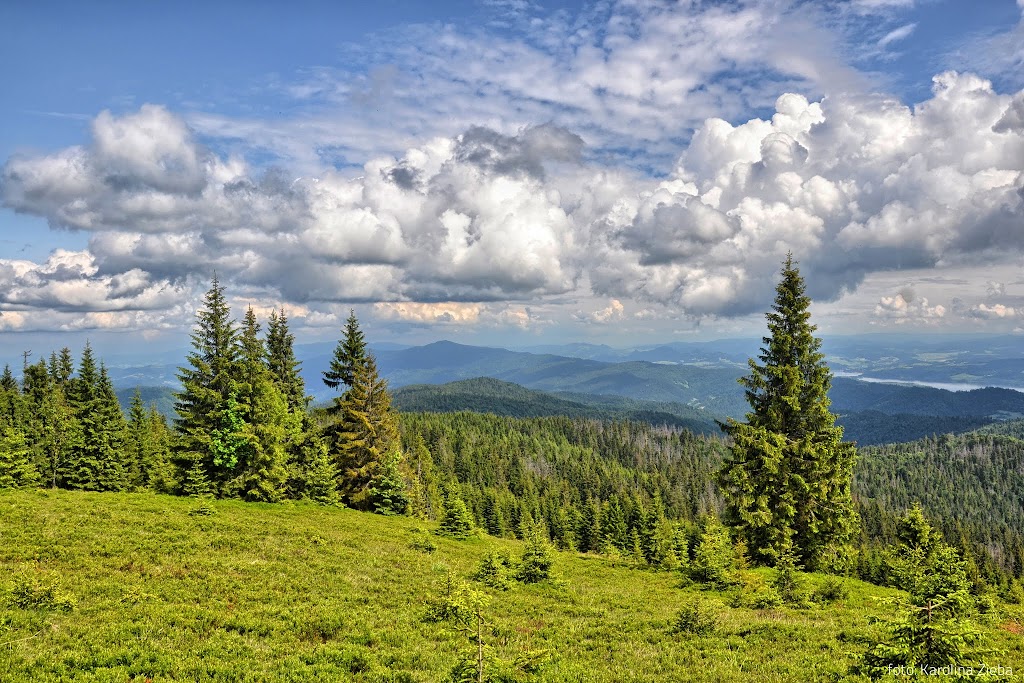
(973, 484)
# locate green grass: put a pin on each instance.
(154, 587)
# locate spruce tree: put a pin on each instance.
(138, 449)
(16, 467)
(786, 480)
(269, 428)
(365, 432)
(95, 461)
(284, 368)
(348, 355)
(207, 385)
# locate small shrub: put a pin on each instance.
(496, 570)
(456, 521)
(696, 617)
(203, 510)
(39, 590)
(831, 590)
(537, 559)
(766, 599)
(422, 542)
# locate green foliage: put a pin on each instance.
(320, 477)
(388, 491)
(282, 364)
(349, 354)
(16, 467)
(39, 589)
(787, 580)
(496, 570)
(931, 628)
(831, 590)
(365, 429)
(787, 480)
(537, 560)
(456, 520)
(713, 556)
(696, 617)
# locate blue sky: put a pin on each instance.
(491, 170)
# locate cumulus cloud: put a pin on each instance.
(906, 307)
(851, 185)
(994, 311)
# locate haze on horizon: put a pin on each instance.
(509, 172)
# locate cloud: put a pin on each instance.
(614, 311)
(851, 185)
(622, 75)
(897, 34)
(994, 311)
(906, 307)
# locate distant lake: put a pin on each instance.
(948, 386)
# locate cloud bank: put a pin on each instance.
(486, 222)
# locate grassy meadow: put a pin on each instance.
(144, 587)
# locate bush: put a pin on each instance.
(39, 590)
(537, 559)
(831, 590)
(766, 599)
(696, 617)
(422, 542)
(496, 570)
(456, 521)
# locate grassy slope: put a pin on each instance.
(299, 592)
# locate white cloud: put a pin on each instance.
(851, 185)
(994, 311)
(897, 34)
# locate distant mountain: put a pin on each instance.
(487, 395)
(161, 397)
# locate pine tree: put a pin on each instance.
(138, 448)
(95, 461)
(348, 355)
(207, 385)
(269, 429)
(366, 431)
(787, 479)
(284, 368)
(16, 467)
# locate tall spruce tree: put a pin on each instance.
(366, 432)
(268, 427)
(787, 478)
(284, 368)
(208, 385)
(348, 355)
(95, 461)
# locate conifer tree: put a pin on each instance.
(365, 432)
(16, 467)
(269, 429)
(348, 355)
(160, 476)
(95, 462)
(284, 368)
(138, 449)
(207, 385)
(787, 479)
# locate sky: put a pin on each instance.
(509, 172)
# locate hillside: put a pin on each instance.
(973, 483)
(171, 589)
(487, 395)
